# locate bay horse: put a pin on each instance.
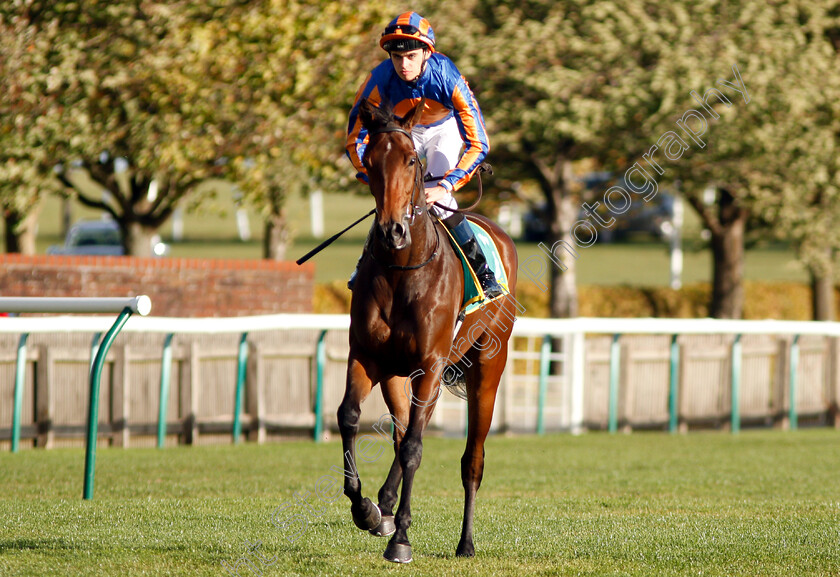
(405, 303)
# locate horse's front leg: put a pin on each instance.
(393, 391)
(366, 515)
(423, 393)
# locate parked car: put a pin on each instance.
(99, 238)
(653, 218)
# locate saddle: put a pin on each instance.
(473, 295)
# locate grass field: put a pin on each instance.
(648, 504)
(645, 263)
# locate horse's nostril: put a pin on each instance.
(399, 230)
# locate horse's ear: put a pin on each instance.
(367, 111)
(413, 116)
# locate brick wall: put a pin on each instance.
(177, 287)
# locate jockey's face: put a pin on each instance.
(409, 64)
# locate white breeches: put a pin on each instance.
(441, 147)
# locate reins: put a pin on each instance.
(483, 167)
(418, 186)
(412, 208)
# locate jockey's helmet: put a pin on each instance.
(408, 31)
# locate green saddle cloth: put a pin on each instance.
(473, 295)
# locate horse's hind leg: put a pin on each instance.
(366, 515)
(393, 390)
(485, 373)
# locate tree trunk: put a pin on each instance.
(822, 292)
(137, 239)
(20, 231)
(66, 215)
(563, 299)
(562, 213)
(728, 254)
(276, 237)
(728, 272)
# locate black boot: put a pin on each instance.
(465, 238)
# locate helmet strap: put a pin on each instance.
(426, 55)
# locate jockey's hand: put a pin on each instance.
(435, 193)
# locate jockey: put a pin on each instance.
(451, 122)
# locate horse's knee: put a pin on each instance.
(411, 451)
(472, 469)
(348, 417)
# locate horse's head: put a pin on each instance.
(394, 171)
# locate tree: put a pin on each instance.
(295, 67)
(565, 81)
(128, 113)
(30, 106)
(798, 192)
(769, 155)
(159, 96)
(700, 84)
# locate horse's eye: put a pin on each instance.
(412, 161)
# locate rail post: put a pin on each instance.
(141, 305)
(615, 367)
(241, 371)
(320, 366)
(735, 418)
(20, 378)
(674, 385)
(545, 361)
(793, 416)
(165, 379)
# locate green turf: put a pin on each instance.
(759, 503)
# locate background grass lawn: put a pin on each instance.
(759, 503)
(213, 234)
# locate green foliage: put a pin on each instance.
(173, 93)
(30, 101)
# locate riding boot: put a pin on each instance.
(465, 237)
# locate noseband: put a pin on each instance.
(412, 210)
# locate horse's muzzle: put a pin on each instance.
(395, 235)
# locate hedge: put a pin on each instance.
(763, 300)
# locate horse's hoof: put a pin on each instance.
(368, 516)
(386, 527)
(398, 552)
(465, 550)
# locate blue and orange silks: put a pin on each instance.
(447, 93)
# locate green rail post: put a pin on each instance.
(320, 365)
(615, 368)
(794, 368)
(241, 370)
(735, 419)
(93, 405)
(165, 378)
(545, 360)
(94, 349)
(674, 386)
(20, 381)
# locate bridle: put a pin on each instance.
(412, 210)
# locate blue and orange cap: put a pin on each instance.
(408, 31)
